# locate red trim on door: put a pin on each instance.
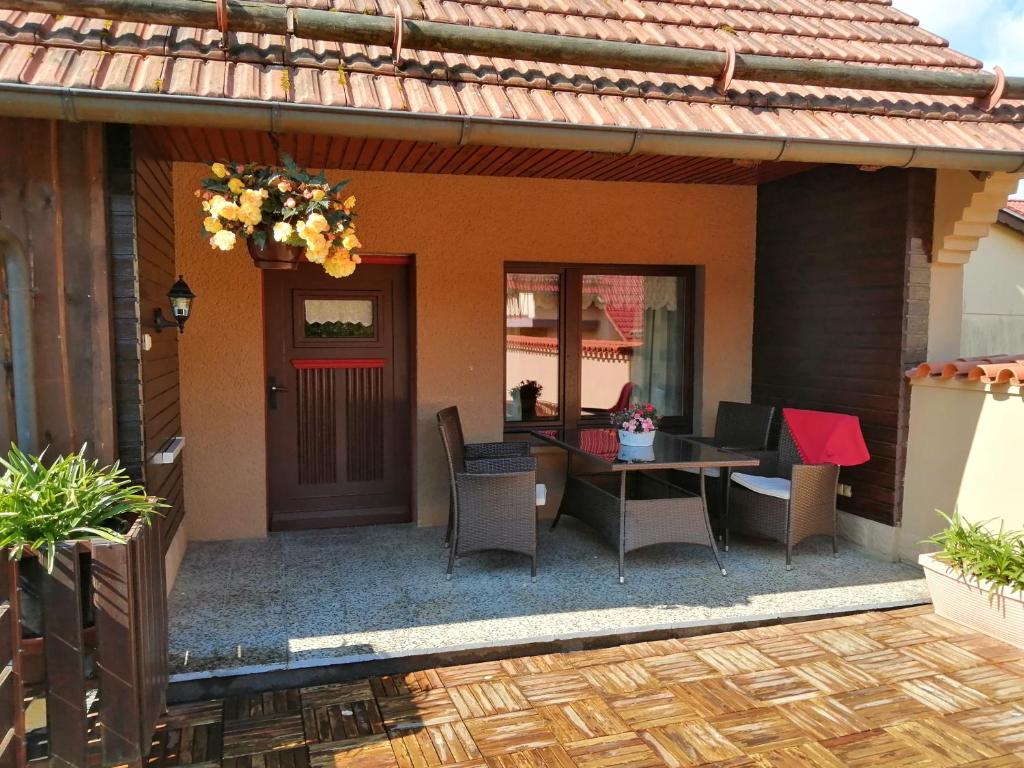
(397, 260)
(347, 363)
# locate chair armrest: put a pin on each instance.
(497, 450)
(501, 465)
(815, 484)
(769, 466)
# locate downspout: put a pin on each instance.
(19, 298)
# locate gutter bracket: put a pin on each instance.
(467, 126)
(991, 100)
(911, 159)
(634, 148)
(724, 80)
(782, 151)
(275, 118)
(67, 106)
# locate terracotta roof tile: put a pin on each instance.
(1016, 206)
(40, 49)
(994, 369)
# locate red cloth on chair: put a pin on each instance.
(827, 438)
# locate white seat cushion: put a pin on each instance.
(709, 472)
(766, 486)
(542, 494)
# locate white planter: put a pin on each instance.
(637, 439)
(969, 601)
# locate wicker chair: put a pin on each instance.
(493, 494)
(739, 427)
(785, 499)
(450, 417)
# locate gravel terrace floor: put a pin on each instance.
(324, 597)
(898, 688)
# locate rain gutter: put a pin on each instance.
(85, 105)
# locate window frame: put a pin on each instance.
(570, 340)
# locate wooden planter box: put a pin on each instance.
(127, 643)
(971, 602)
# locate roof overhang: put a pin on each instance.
(1011, 219)
(88, 105)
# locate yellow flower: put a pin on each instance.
(250, 215)
(349, 204)
(212, 224)
(317, 253)
(220, 207)
(219, 170)
(236, 186)
(350, 242)
(224, 240)
(250, 197)
(338, 264)
(318, 194)
(282, 231)
(317, 223)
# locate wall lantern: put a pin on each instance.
(180, 297)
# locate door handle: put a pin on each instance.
(272, 389)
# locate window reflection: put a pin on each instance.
(632, 343)
(338, 318)
(531, 346)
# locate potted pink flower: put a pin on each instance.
(637, 424)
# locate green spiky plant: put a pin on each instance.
(71, 498)
(974, 549)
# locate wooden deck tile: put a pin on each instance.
(448, 744)
(835, 676)
(582, 720)
(716, 696)
(554, 687)
(944, 743)
(871, 749)
(710, 641)
(998, 683)
(884, 705)
(488, 698)
(512, 732)
(940, 627)
(792, 650)
(387, 686)
(653, 648)
(759, 730)
(545, 757)
(257, 705)
(1003, 761)
(944, 694)
(597, 656)
(895, 634)
(372, 752)
(736, 659)
(810, 755)
(679, 667)
(621, 677)
(776, 686)
(692, 742)
(336, 693)
(265, 734)
(471, 673)
(844, 642)
(624, 750)
(1001, 725)
(415, 710)
(892, 665)
(342, 721)
(532, 665)
(944, 655)
(768, 632)
(990, 649)
(824, 718)
(648, 709)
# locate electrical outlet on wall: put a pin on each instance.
(846, 490)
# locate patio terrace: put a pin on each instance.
(899, 688)
(336, 596)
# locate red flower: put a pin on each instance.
(650, 407)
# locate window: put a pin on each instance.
(581, 341)
(338, 318)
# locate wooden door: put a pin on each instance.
(338, 423)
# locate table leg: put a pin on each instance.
(568, 472)
(707, 522)
(726, 475)
(622, 528)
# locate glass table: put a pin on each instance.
(627, 495)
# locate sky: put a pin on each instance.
(990, 30)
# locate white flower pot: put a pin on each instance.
(971, 602)
(638, 439)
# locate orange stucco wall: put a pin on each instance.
(461, 230)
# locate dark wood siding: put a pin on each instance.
(149, 414)
(841, 309)
(52, 201)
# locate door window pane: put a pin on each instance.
(338, 318)
(632, 343)
(532, 360)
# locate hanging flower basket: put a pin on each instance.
(284, 215)
(271, 254)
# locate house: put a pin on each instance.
(789, 191)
